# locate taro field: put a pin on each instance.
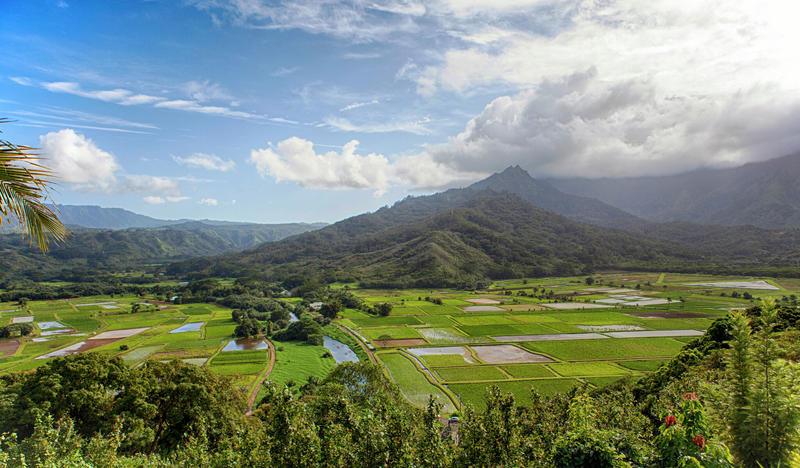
(545, 334)
(197, 334)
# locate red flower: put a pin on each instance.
(699, 441)
(689, 396)
(670, 420)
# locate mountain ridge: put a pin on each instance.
(764, 194)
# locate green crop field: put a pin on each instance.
(514, 354)
(470, 374)
(628, 309)
(412, 383)
(296, 362)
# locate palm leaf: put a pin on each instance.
(23, 189)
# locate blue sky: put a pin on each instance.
(315, 110)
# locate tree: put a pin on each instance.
(331, 308)
(384, 309)
(759, 396)
(23, 189)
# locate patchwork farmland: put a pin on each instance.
(548, 335)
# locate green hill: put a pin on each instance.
(89, 251)
(764, 194)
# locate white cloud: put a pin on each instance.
(155, 200)
(200, 92)
(416, 127)
(151, 200)
(685, 47)
(203, 91)
(295, 159)
(282, 120)
(21, 80)
(77, 161)
(355, 20)
(582, 125)
(206, 161)
(120, 96)
(209, 202)
(356, 105)
(150, 184)
(192, 106)
(283, 71)
(361, 55)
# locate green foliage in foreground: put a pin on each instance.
(715, 405)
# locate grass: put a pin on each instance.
(386, 321)
(442, 360)
(474, 393)
(470, 373)
(412, 383)
(296, 361)
(528, 371)
(229, 357)
(594, 369)
(394, 333)
(607, 348)
(645, 366)
(601, 381)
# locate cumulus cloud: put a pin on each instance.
(295, 159)
(206, 161)
(582, 125)
(77, 161)
(686, 47)
(155, 200)
(209, 202)
(151, 200)
(150, 184)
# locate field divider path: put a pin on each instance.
(428, 373)
(251, 401)
(360, 343)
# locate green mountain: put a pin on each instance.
(764, 194)
(95, 250)
(542, 194)
(485, 235)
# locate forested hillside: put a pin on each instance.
(90, 251)
(764, 194)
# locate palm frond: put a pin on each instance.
(23, 189)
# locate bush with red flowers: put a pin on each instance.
(683, 438)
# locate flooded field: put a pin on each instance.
(245, 344)
(189, 327)
(340, 351)
(443, 350)
(117, 334)
(507, 354)
(50, 325)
